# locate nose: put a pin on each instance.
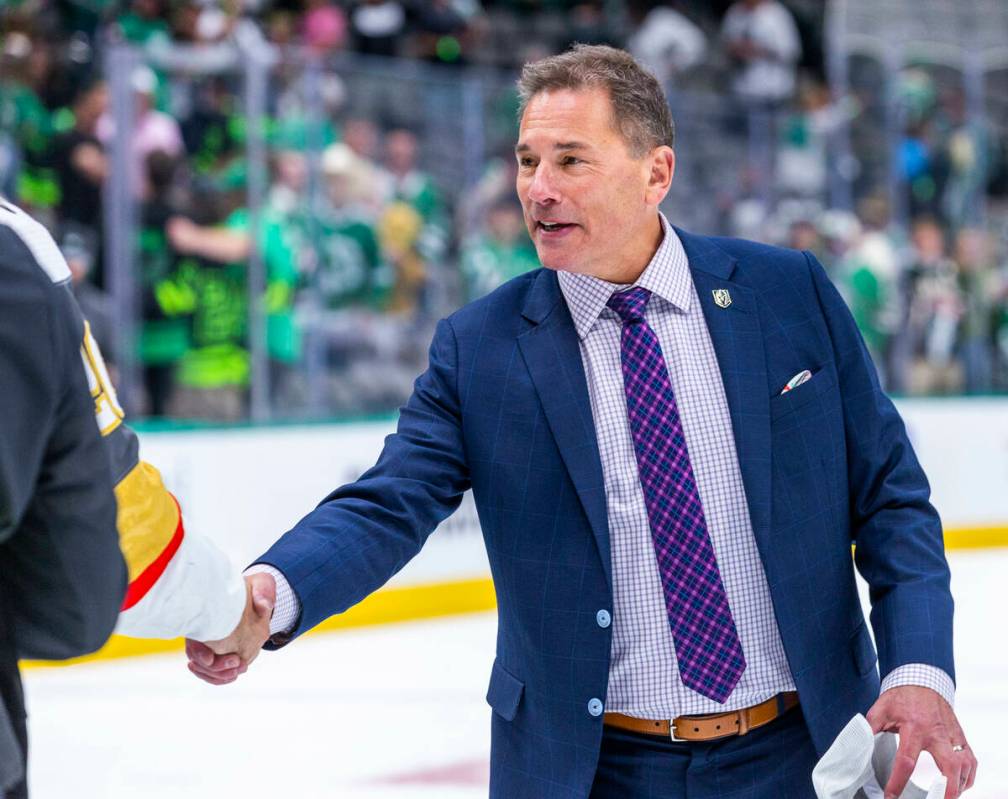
(542, 188)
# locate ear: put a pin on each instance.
(661, 166)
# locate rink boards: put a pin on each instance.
(246, 486)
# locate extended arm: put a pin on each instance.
(364, 532)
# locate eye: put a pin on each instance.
(570, 160)
(526, 162)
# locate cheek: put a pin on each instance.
(627, 198)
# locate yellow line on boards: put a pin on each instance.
(976, 537)
(431, 601)
(383, 607)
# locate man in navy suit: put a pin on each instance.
(673, 442)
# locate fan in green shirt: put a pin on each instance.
(215, 270)
(145, 20)
(25, 117)
(350, 270)
(279, 243)
(415, 187)
(504, 251)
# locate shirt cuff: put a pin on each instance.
(924, 675)
(287, 607)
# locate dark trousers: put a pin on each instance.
(772, 762)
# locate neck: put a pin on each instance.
(644, 248)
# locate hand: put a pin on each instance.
(182, 234)
(220, 662)
(925, 722)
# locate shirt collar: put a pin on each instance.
(667, 276)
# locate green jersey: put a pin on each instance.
(218, 324)
(350, 270)
(486, 263)
(167, 300)
(279, 243)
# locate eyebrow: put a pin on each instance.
(560, 145)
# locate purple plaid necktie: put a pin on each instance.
(707, 645)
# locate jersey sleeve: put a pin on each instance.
(72, 497)
(180, 583)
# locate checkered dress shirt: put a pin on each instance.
(643, 674)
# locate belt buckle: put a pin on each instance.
(672, 735)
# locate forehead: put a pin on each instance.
(567, 114)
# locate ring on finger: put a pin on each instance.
(958, 747)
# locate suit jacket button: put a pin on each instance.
(603, 618)
(595, 707)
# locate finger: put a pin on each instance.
(198, 653)
(974, 764)
(965, 756)
(263, 604)
(971, 769)
(217, 663)
(876, 718)
(879, 716)
(219, 674)
(214, 678)
(222, 662)
(226, 662)
(950, 764)
(211, 680)
(903, 765)
(953, 787)
(263, 593)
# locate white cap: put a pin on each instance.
(143, 80)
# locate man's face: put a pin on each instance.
(92, 106)
(361, 136)
(586, 200)
(929, 241)
(291, 169)
(401, 150)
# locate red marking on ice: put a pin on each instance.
(466, 773)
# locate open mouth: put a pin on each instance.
(554, 227)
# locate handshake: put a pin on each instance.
(220, 662)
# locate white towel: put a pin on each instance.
(858, 765)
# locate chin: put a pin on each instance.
(556, 260)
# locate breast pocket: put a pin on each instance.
(819, 385)
(803, 446)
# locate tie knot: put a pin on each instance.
(630, 304)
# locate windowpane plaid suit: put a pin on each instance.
(503, 409)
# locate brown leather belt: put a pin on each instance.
(709, 727)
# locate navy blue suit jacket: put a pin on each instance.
(503, 408)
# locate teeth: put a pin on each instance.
(549, 226)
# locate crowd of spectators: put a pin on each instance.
(368, 230)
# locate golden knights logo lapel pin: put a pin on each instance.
(722, 298)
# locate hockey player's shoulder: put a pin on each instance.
(36, 238)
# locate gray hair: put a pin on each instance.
(640, 111)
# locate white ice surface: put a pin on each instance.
(394, 712)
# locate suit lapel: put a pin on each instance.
(738, 343)
(552, 354)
